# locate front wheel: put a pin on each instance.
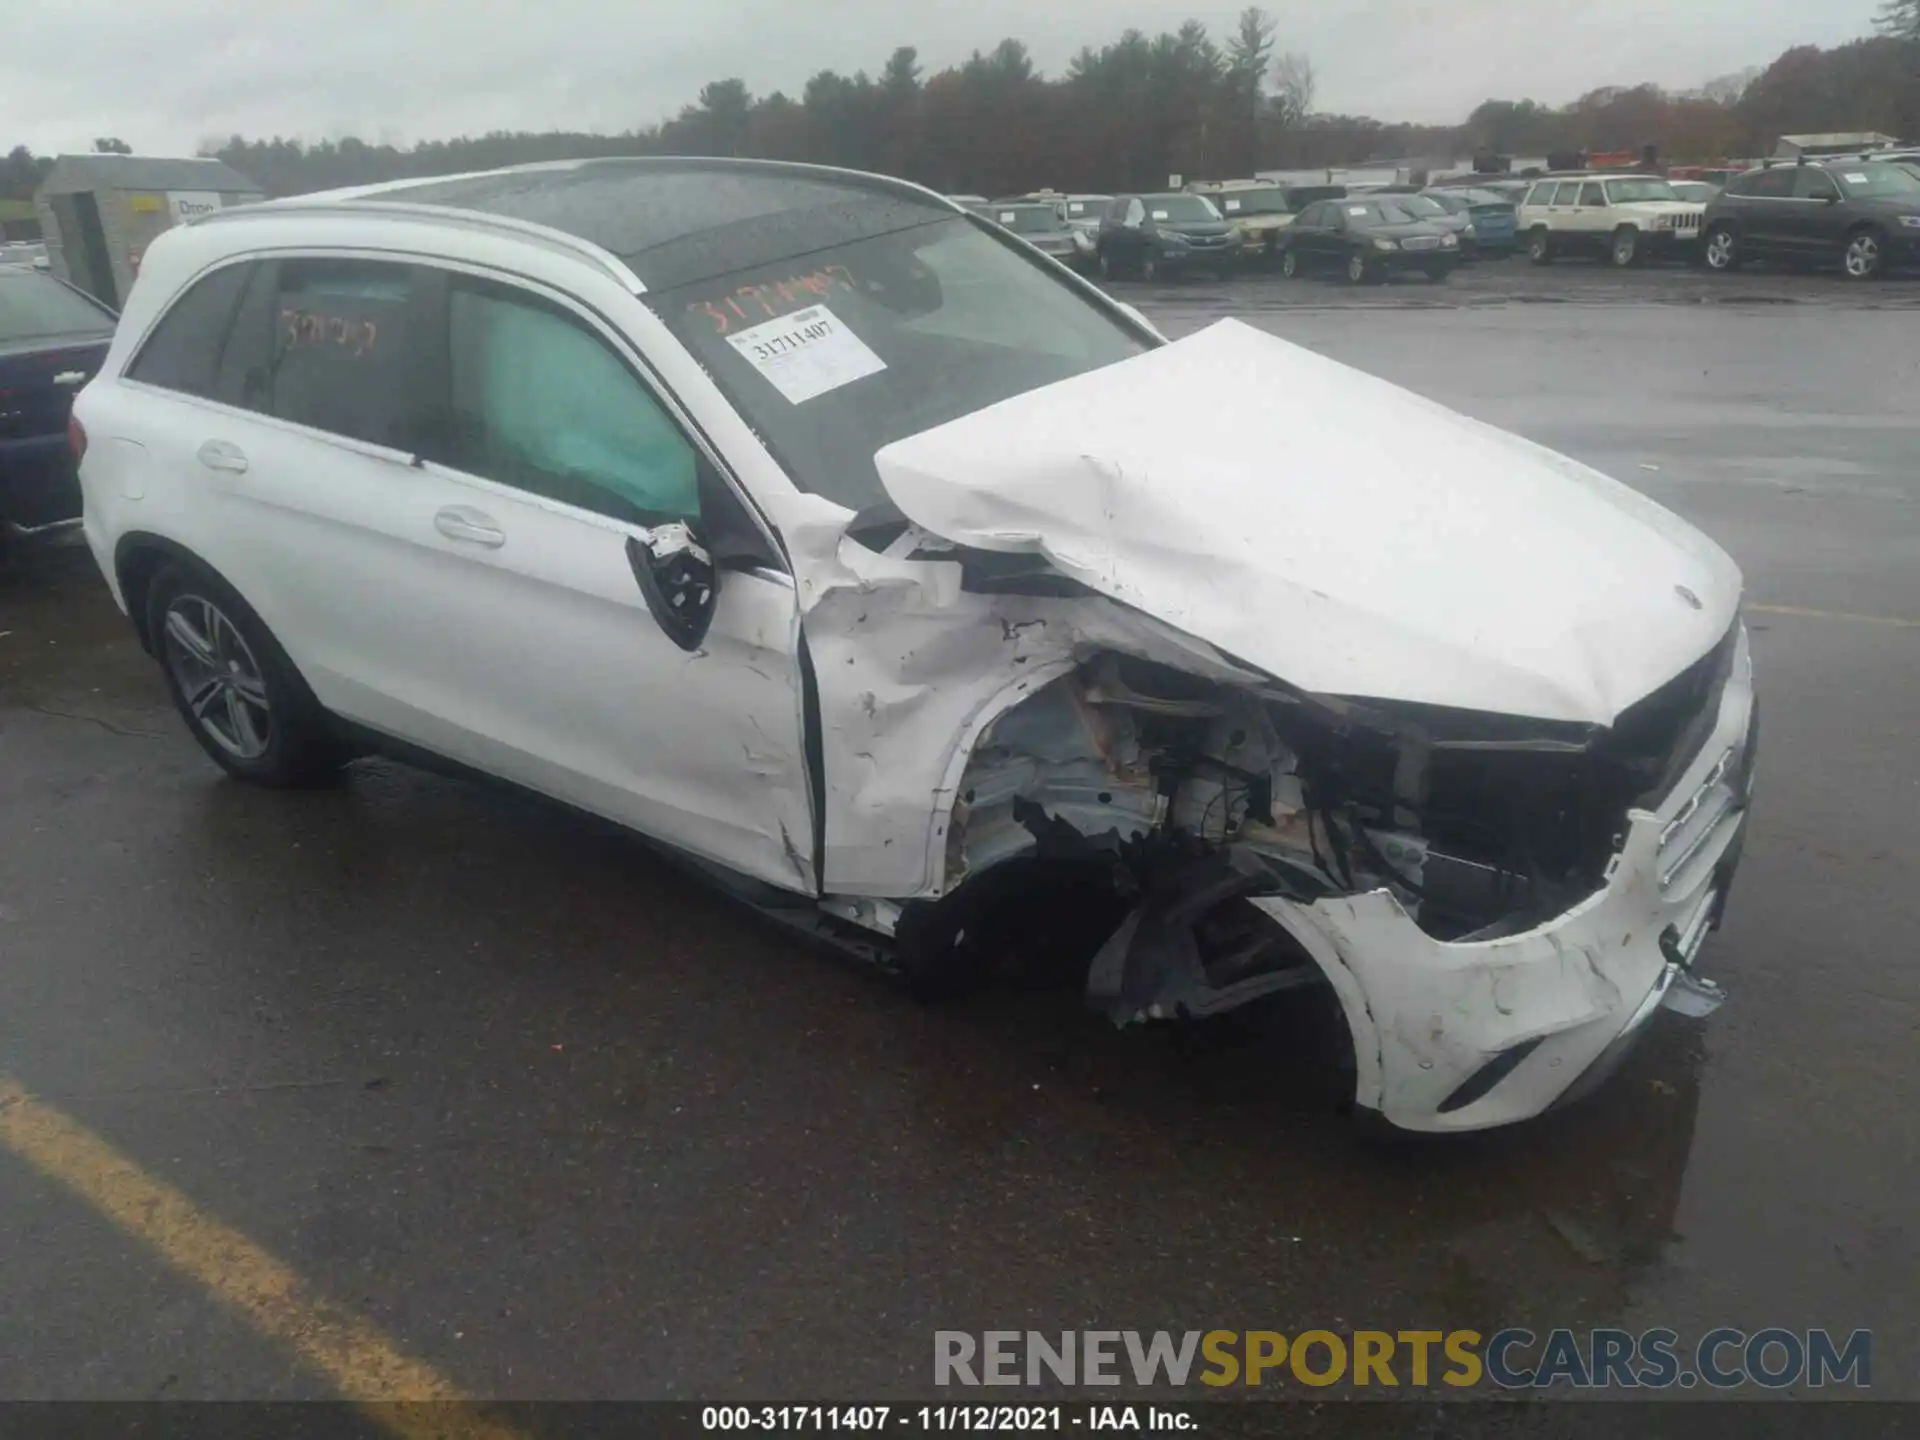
(1439, 274)
(233, 685)
(1103, 262)
(1540, 247)
(1358, 271)
(1149, 268)
(1863, 258)
(1289, 266)
(1721, 249)
(1626, 247)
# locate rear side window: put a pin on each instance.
(541, 403)
(346, 350)
(1812, 184)
(184, 352)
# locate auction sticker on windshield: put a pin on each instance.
(806, 353)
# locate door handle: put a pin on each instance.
(476, 527)
(224, 455)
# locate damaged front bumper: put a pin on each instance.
(1465, 1035)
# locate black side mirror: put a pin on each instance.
(676, 574)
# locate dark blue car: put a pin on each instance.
(52, 340)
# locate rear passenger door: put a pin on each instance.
(1766, 211)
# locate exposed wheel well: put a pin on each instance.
(136, 560)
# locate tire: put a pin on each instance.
(1625, 249)
(1863, 254)
(1540, 246)
(1358, 271)
(1720, 249)
(1289, 265)
(1104, 264)
(239, 694)
(1149, 268)
(1439, 274)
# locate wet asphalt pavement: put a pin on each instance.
(561, 1125)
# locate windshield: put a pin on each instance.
(33, 305)
(1180, 208)
(1251, 202)
(1087, 206)
(1423, 207)
(835, 353)
(1878, 181)
(1378, 212)
(1301, 196)
(1626, 192)
(1026, 219)
(1484, 197)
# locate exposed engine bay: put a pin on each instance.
(1165, 802)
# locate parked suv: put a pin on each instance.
(1863, 215)
(1154, 235)
(922, 596)
(1624, 218)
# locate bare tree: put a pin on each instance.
(1293, 87)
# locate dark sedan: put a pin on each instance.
(1154, 235)
(1863, 215)
(52, 340)
(1367, 240)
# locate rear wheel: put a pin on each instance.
(1540, 246)
(1721, 249)
(233, 685)
(1864, 255)
(1626, 247)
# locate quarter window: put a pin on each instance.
(183, 353)
(539, 402)
(346, 350)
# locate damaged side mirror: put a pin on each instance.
(676, 574)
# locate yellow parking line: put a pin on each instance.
(1892, 620)
(399, 1392)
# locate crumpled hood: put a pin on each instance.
(1338, 532)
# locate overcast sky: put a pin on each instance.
(167, 75)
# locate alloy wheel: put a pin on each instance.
(1626, 246)
(218, 676)
(1356, 267)
(1289, 265)
(1863, 256)
(1719, 251)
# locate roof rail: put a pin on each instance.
(450, 215)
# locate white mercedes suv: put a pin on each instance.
(898, 580)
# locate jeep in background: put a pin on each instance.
(1623, 218)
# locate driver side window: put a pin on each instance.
(540, 402)
(1136, 213)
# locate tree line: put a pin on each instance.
(1137, 110)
